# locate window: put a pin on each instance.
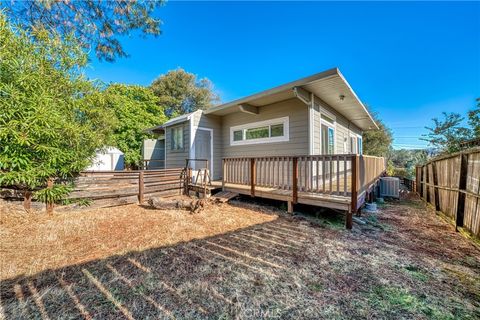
(238, 135)
(177, 138)
(353, 145)
(274, 130)
(277, 130)
(328, 139)
(359, 147)
(331, 141)
(356, 144)
(257, 133)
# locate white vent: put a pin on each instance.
(390, 187)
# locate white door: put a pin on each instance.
(203, 149)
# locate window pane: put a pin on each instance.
(177, 138)
(276, 130)
(256, 133)
(328, 119)
(360, 149)
(238, 135)
(331, 135)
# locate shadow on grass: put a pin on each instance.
(221, 276)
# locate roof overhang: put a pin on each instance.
(330, 86)
(171, 122)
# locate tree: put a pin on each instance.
(474, 119)
(377, 142)
(180, 92)
(51, 121)
(136, 109)
(447, 134)
(96, 24)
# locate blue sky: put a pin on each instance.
(408, 61)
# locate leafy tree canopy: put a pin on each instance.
(447, 133)
(377, 142)
(474, 119)
(51, 121)
(97, 25)
(180, 92)
(136, 108)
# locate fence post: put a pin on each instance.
(295, 180)
(462, 185)
(27, 200)
(49, 205)
(417, 180)
(354, 199)
(141, 187)
(427, 182)
(435, 186)
(253, 176)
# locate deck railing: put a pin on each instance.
(347, 175)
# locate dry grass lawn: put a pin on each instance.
(236, 261)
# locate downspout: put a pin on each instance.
(310, 124)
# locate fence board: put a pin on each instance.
(450, 191)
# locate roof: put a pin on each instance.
(330, 86)
(171, 122)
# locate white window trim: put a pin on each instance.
(328, 125)
(286, 132)
(173, 137)
(356, 136)
(358, 147)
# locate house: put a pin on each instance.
(319, 115)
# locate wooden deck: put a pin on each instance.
(333, 181)
(310, 198)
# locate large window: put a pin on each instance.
(177, 138)
(274, 130)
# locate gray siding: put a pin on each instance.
(176, 158)
(297, 112)
(343, 128)
(215, 123)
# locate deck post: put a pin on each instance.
(462, 185)
(294, 180)
(253, 176)
(141, 187)
(353, 205)
(289, 207)
(223, 174)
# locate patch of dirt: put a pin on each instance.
(32, 242)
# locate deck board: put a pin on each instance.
(310, 198)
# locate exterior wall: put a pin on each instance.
(215, 123)
(343, 129)
(154, 149)
(176, 158)
(297, 112)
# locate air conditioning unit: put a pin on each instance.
(390, 187)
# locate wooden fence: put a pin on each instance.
(111, 188)
(452, 185)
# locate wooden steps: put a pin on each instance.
(224, 196)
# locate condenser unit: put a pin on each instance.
(390, 187)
